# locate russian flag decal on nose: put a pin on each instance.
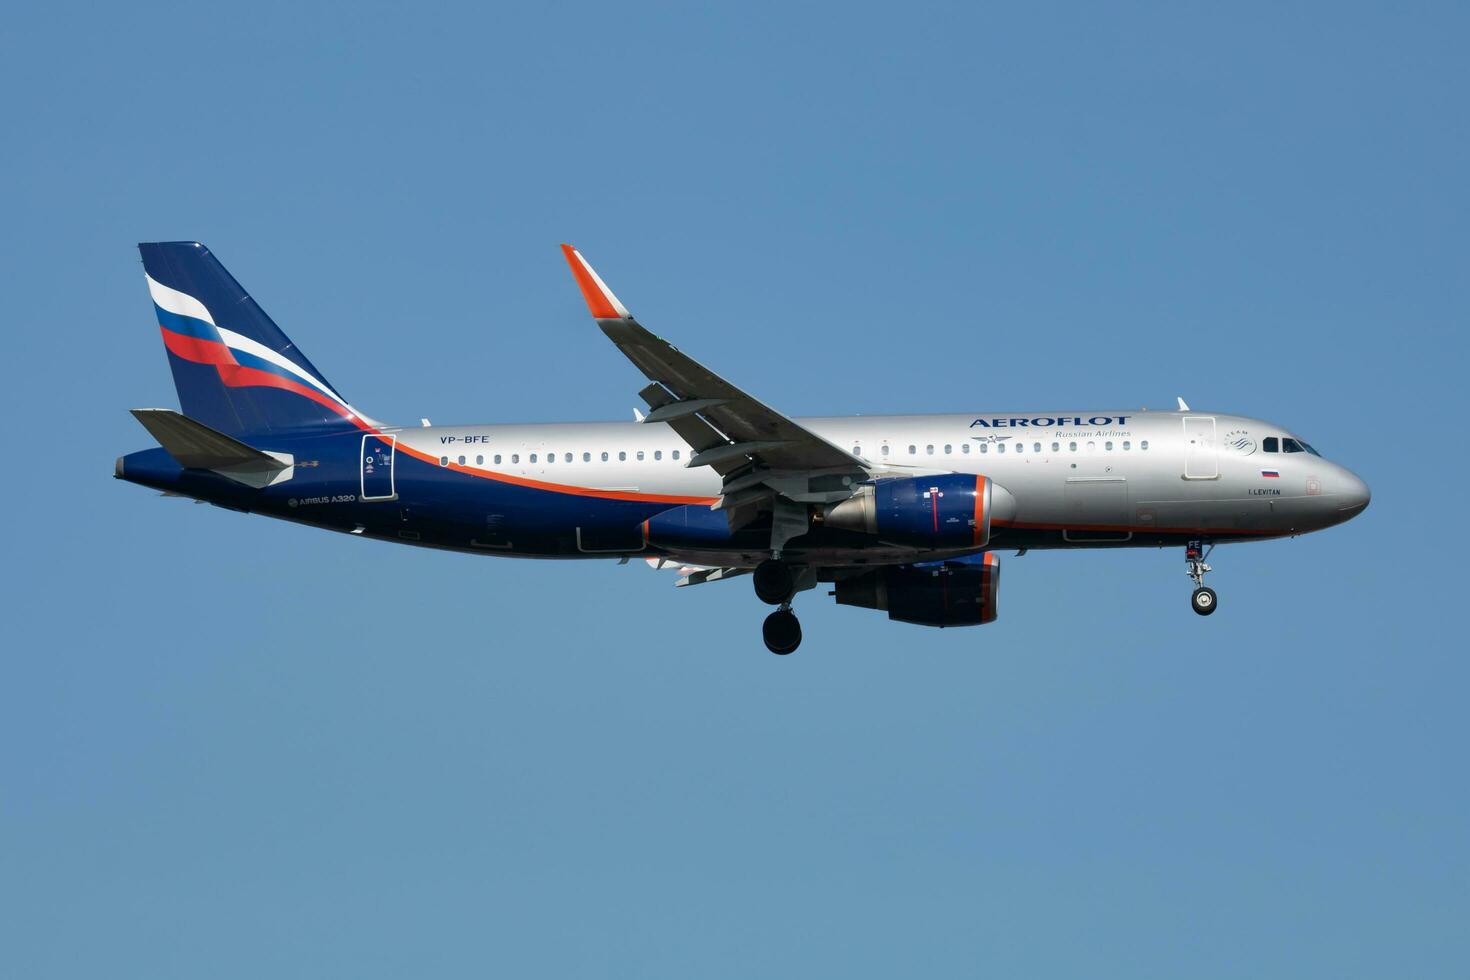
(1271, 473)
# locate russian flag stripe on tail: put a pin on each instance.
(234, 369)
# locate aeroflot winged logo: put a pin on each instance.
(1044, 421)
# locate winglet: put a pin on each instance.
(600, 300)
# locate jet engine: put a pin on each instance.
(958, 592)
(952, 510)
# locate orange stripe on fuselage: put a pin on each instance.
(563, 488)
(1208, 531)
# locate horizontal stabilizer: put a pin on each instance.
(196, 446)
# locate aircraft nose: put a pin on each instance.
(1354, 494)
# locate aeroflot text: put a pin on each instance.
(1046, 420)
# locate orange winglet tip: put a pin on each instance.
(600, 300)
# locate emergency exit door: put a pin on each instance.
(1200, 460)
(377, 467)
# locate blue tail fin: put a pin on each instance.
(234, 369)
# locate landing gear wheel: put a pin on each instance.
(1203, 600)
(774, 582)
(782, 632)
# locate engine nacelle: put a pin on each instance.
(952, 510)
(958, 592)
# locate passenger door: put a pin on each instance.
(1200, 459)
(377, 457)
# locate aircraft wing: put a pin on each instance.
(728, 430)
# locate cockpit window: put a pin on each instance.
(1270, 444)
(1291, 446)
(1308, 448)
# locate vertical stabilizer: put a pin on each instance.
(234, 369)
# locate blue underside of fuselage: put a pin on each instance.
(433, 506)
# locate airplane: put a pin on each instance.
(901, 514)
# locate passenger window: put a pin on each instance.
(1127, 445)
(948, 449)
(676, 454)
(857, 451)
(885, 450)
(1036, 447)
(551, 457)
(567, 458)
(1291, 446)
(965, 448)
(479, 460)
(460, 461)
(533, 457)
(640, 455)
(586, 457)
(515, 457)
(443, 460)
(1108, 445)
(658, 454)
(929, 450)
(984, 448)
(1092, 447)
(1270, 444)
(1056, 447)
(604, 457)
(1143, 444)
(1020, 447)
(1071, 447)
(622, 457)
(497, 459)
(913, 450)
(1000, 447)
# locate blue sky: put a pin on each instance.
(235, 748)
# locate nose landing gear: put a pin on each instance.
(1203, 600)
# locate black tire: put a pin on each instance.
(1203, 601)
(782, 632)
(774, 582)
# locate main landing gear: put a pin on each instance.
(781, 631)
(1203, 600)
(775, 585)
